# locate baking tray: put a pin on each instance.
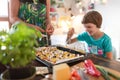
(69, 61)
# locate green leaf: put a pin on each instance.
(19, 44)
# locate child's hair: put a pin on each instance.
(93, 17)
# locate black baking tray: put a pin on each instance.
(48, 64)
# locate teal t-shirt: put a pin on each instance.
(99, 46)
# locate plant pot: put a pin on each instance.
(2, 68)
(25, 73)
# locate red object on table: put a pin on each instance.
(91, 69)
(75, 75)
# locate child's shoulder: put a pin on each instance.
(106, 35)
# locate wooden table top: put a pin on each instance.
(112, 64)
(81, 65)
(109, 65)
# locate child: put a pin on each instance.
(98, 42)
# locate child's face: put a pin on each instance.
(91, 28)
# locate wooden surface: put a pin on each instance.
(81, 65)
(112, 64)
(109, 65)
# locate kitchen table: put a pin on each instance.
(109, 65)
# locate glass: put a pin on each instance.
(4, 25)
(3, 8)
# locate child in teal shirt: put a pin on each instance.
(98, 42)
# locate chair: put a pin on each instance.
(114, 53)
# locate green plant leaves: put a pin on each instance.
(19, 45)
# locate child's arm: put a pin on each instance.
(109, 55)
(69, 36)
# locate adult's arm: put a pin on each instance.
(49, 28)
(48, 11)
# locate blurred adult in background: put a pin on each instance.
(35, 13)
(98, 42)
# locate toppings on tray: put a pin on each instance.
(54, 55)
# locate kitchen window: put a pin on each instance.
(4, 21)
